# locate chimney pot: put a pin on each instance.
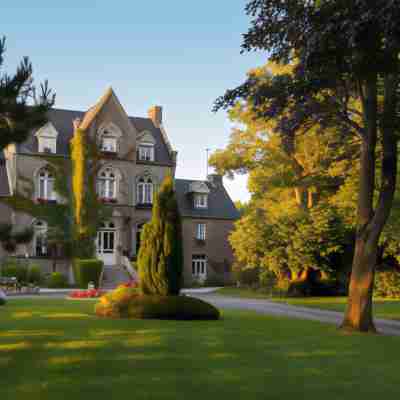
(155, 114)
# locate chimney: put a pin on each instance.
(155, 114)
(76, 122)
(215, 179)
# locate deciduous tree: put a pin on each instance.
(348, 53)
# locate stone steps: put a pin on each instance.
(113, 276)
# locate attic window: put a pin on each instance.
(47, 145)
(109, 144)
(200, 200)
(146, 152)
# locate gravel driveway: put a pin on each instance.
(387, 327)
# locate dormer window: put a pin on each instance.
(146, 152)
(200, 200)
(109, 144)
(108, 138)
(47, 145)
(47, 139)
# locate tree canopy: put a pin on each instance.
(346, 54)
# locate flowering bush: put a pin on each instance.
(115, 303)
(131, 284)
(86, 294)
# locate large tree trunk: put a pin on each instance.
(359, 308)
(358, 315)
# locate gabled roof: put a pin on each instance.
(220, 205)
(4, 186)
(62, 121)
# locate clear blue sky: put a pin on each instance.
(178, 54)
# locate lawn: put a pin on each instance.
(383, 308)
(57, 349)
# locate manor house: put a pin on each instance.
(136, 156)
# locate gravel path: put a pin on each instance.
(388, 327)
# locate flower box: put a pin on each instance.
(107, 200)
(46, 201)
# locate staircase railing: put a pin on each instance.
(128, 267)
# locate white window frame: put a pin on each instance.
(201, 231)
(107, 184)
(146, 152)
(200, 200)
(45, 182)
(144, 191)
(47, 144)
(109, 144)
(199, 266)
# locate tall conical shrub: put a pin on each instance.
(160, 259)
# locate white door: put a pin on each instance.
(199, 267)
(106, 244)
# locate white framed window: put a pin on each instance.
(199, 266)
(107, 184)
(200, 200)
(201, 231)
(45, 188)
(146, 152)
(144, 191)
(47, 144)
(40, 247)
(109, 144)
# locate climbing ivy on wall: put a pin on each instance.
(88, 211)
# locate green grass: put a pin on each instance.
(57, 349)
(383, 308)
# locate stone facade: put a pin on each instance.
(142, 157)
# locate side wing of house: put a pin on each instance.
(208, 216)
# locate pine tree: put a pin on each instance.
(17, 116)
(160, 258)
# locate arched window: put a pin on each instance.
(46, 185)
(40, 247)
(144, 192)
(107, 184)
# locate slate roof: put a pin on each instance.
(220, 205)
(62, 121)
(4, 187)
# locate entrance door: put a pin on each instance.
(106, 243)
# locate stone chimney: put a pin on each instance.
(215, 179)
(155, 114)
(75, 123)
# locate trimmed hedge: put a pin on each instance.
(57, 281)
(35, 275)
(13, 269)
(86, 271)
(126, 303)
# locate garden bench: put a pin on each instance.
(7, 283)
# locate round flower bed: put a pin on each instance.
(129, 303)
(86, 294)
